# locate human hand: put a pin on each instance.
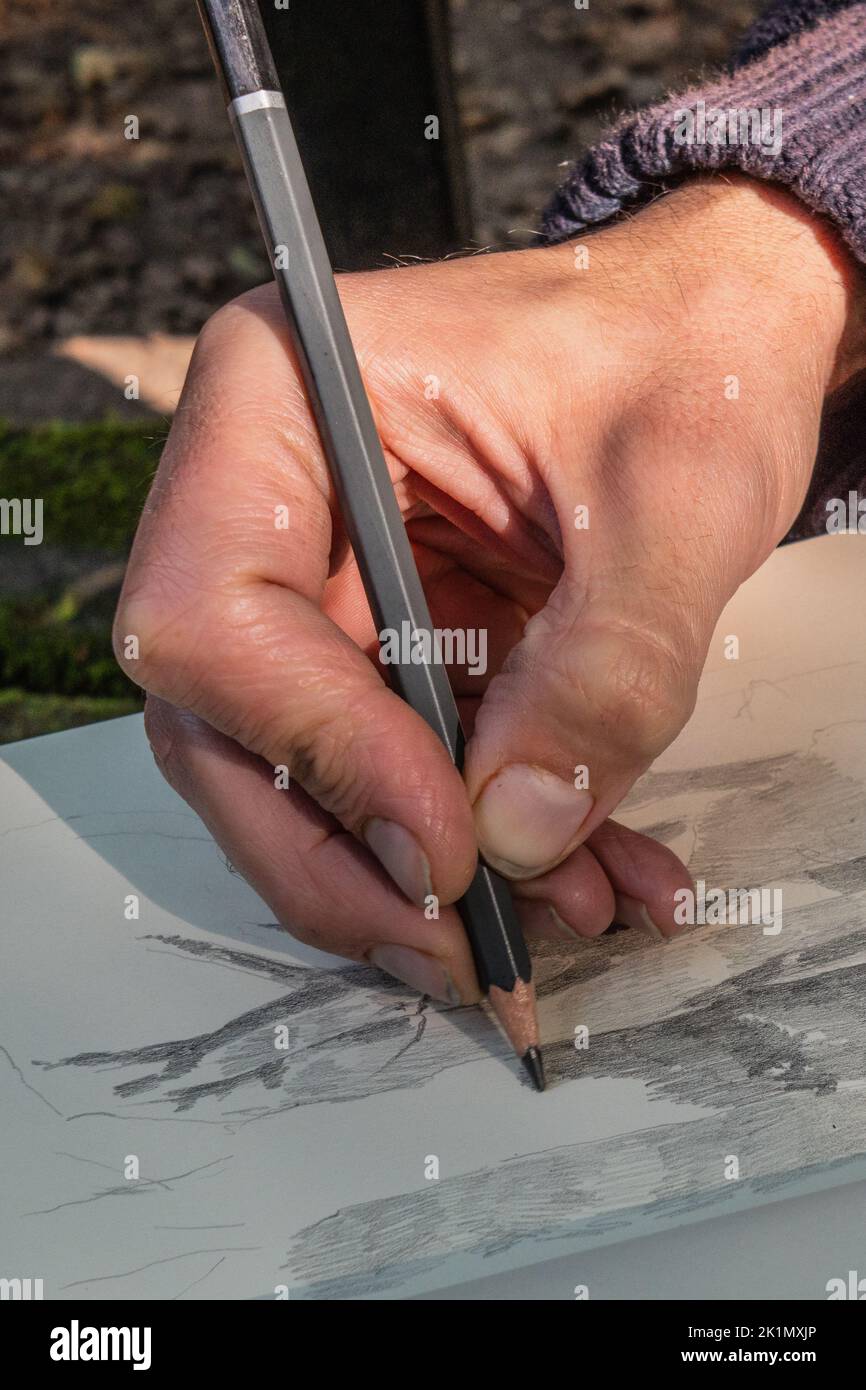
(509, 391)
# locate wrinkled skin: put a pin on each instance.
(509, 390)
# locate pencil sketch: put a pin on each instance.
(719, 1068)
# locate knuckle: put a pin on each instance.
(338, 760)
(637, 688)
(161, 642)
(231, 318)
(320, 761)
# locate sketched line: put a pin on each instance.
(220, 1261)
(149, 1119)
(26, 1084)
(167, 1260)
(128, 1190)
(226, 1226)
(109, 1168)
(139, 1185)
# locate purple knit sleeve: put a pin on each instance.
(791, 108)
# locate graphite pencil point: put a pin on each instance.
(534, 1064)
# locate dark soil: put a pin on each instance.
(102, 234)
(539, 80)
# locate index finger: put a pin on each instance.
(220, 611)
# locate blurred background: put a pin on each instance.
(120, 236)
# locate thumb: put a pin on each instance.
(595, 690)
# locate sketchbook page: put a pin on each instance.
(158, 1141)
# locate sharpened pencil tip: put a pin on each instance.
(534, 1064)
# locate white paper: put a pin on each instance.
(303, 1170)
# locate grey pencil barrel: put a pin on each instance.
(362, 482)
(338, 399)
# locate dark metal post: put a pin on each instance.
(361, 80)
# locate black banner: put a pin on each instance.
(153, 1338)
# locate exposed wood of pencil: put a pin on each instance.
(515, 1009)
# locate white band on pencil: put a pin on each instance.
(254, 101)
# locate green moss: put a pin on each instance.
(68, 658)
(55, 645)
(24, 715)
(115, 202)
(93, 478)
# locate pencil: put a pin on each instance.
(332, 377)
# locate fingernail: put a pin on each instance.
(526, 818)
(633, 913)
(540, 918)
(416, 969)
(560, 926)
(401, 856)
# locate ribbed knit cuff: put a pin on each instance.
(795, 115)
